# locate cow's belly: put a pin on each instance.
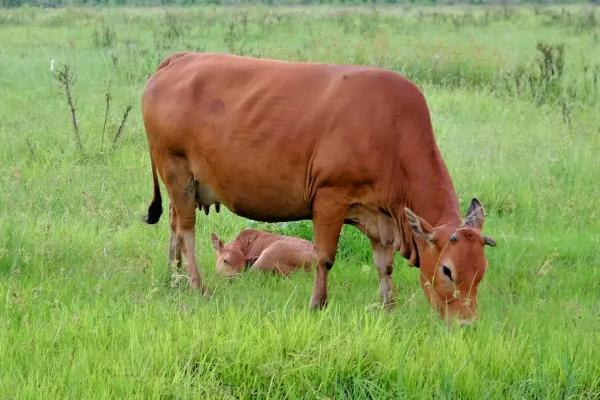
(257, 173)
(256, 197)
(283, 208)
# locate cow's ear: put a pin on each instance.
(419, 227)
(489, 241)
(475, 215)
(216, 242)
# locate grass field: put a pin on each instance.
(86, 310)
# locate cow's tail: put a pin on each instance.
(155, 209)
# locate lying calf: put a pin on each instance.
(263, 251)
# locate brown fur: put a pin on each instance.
(278, 141)
(263, 251)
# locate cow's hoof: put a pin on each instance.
(388, 303)
(196, 284)
(317, 304)
(207, 292)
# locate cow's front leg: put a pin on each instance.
(329, 212)
(384, 259)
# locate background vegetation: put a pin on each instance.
(62, 3)
(85, 307)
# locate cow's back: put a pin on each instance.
(286, 128)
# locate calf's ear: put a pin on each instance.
(420, 228)
(216, 242)
(475, 215)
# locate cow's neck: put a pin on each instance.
(426, 188)
(429, 191)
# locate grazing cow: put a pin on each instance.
(263, 251)
(281, 141)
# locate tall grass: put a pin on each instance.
(85, 308)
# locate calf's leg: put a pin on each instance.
(271, 259)
(282, 257)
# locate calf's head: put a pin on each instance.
(452, 262)
(230, 259)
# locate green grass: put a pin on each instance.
(85, 307)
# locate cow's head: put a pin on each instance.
(230, 259)
(452, 262)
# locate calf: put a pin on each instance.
(263, 251)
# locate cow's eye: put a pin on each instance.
(226, 261)
(447, 272)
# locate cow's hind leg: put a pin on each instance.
(181, 187)
(384, 259)
(329, 212)
(174, 244)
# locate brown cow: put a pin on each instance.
(279, 141)
(263, 251)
